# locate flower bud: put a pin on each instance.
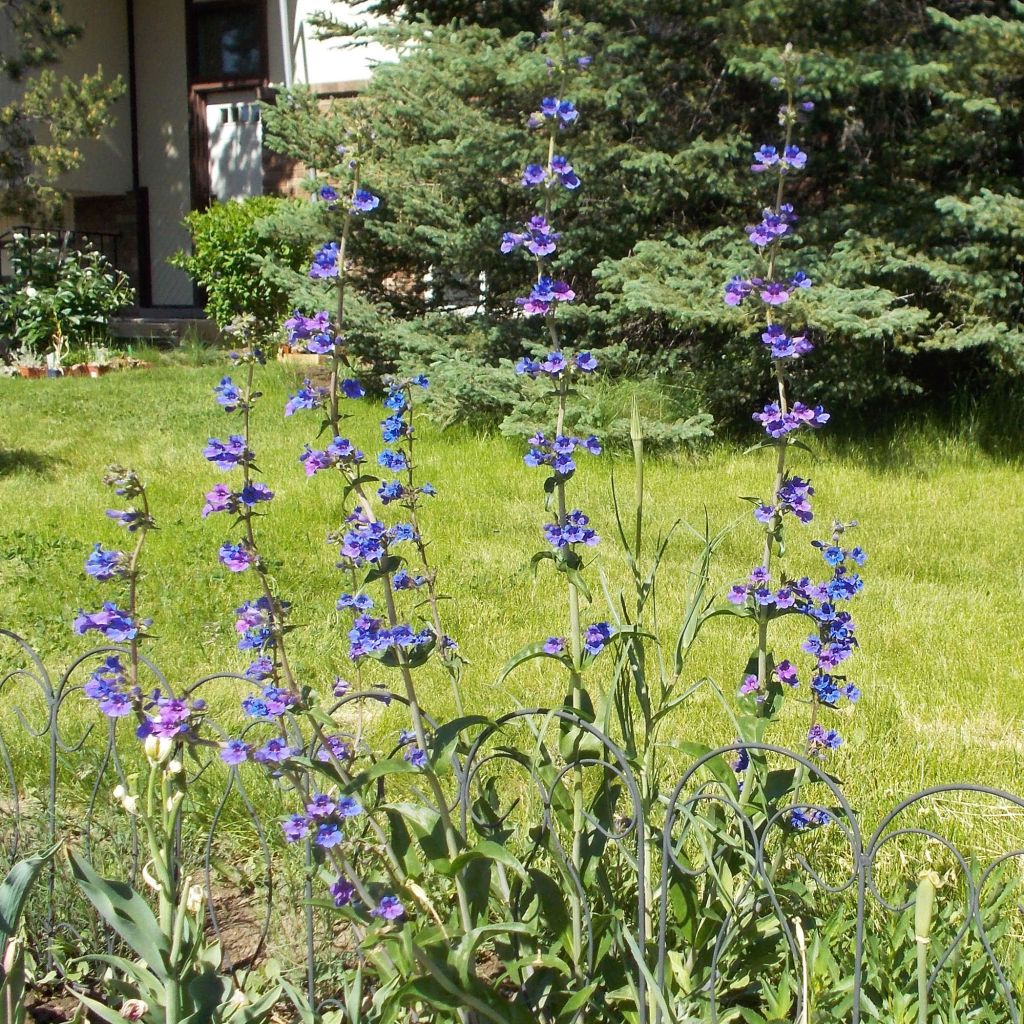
(157, 749)
(195, 898)
(119, 793)
(175, 767)
(133, 1009)
(924, 905)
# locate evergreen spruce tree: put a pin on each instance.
(913, 198)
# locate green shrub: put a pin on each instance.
(229, 250)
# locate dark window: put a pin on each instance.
(228, 41)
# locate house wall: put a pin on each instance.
(164, 158)
(107, 167)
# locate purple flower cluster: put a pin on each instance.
(575, 530)
(364, 201)
(559, 171)
(324, 819)
(315, 333)
(221, 498)
(793, 497)
(539, 239)
(557, 453)
(309, 396)
(108, 686)
(168, 717)
(340, 452)
(228, 454)
(778, 423)
(562, 112)
(773, 225)
(325, 262)
(790, 159)
(236, 557)
(771, 293)
(545, 296)
(834, 640)
(272, 702)
(782, 345)
(369, 636)
(113, 624)
(228, 394)
(254, 626)
(366, 541)
(556, 365)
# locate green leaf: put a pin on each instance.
(528, 653)
(14, 891)
(488, 850)
(125, 911)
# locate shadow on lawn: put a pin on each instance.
(25, 460)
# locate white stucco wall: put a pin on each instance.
(107, 167)
(163, 139)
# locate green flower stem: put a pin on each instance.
(336, 356)
(133, 588)
(276, 622)
(428, 570)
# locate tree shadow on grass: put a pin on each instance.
(25, 460)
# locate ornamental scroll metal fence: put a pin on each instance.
(722, 902)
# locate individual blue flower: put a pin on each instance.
(260, 670)
(236, 557)
(106, 565)
(228, 394)
(596, 637)
(342, 892)
(321, 805)
(585, 362)
(388, 908)
(307, 397)
(364, 201)
(533, 175)
(328, 835)
(358, 602)
(764, 158)
(274, 751)
(253, 493)
(131, 519)
(393, 460)
(220, 499)
(235, 752)
(348, 807)
(554, 645)
(352, 388)
(327, 194)
(803, 818)
(416, 757)
(295, 827)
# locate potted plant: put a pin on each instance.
(28, 362)
(99, 363)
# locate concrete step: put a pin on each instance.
(165, 325)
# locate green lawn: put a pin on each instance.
(940, 620)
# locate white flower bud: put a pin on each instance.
(196, 896)
(157, 749)
(133, 1009)
(119, 793)
(175, 767)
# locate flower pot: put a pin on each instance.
(98, 369)
(78, 370)
(32, 371)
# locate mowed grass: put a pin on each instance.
(941, 665)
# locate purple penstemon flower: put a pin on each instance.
(106, 565)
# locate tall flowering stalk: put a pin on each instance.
(371, 550)
(776, 297)
(570, 533)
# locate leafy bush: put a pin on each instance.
(58, 291)
(229, 247)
